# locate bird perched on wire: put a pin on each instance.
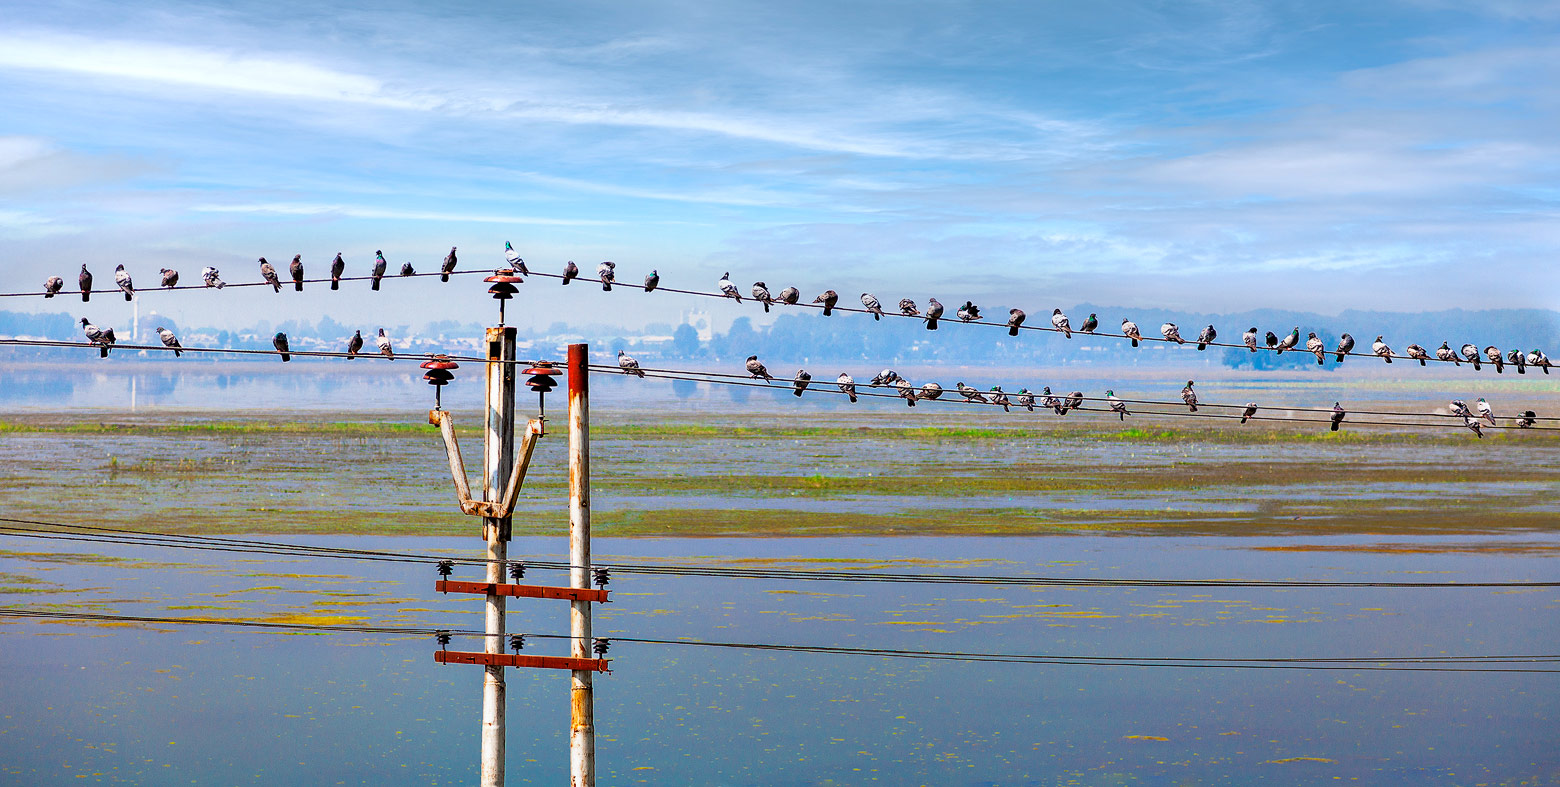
(1189, 396)
(999, 397)
(379, 270)
(1016, 318)
(1271, 340)
(1049, 401)
(122, 278)
(761, 294)
(1129, 329)
(1171, 333)
(873, 305)
(1485, 411)
(1072, 401)
(803, 379)
(1249, 338)
(1251, 409)
(1417, 353)
(907, 308)
(884, 377)
(1117, 405)
(847, 386)
(931, 391)
(512, 257)
(728, 288)
(295, 270)
(607, 273)
(97, 336)
(1289, 342)
(1471, 353)
(1527, 419)
(84, 281)
(970, 394)
(934, 310)
(448, 267)
(1026, 399)
(1345, 345)
(354, 345)
(756, 368)
(1539, 359)
(170, 278)
(1446, 353)
(1060, 322)
(789, 296)
(570, 272)
(1316, 347)
(1206, 337)
(337, 267)
(906, 391)
(268, 273)
(629, 365)
(52, 285)
(1473, 426)
(1493, 353)
(828, 299)
(385, 347)
(279, 341)
(407, 269)
(1090, 324)
(212, 277)
(1460, 407)
(1381, 350)
(969, 312)
(1516, 358)
(172, 342)
(653, 280)
(1337, 416)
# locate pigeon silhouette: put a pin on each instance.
(629, 365)
(295, 269)
(279, 341)
(652, 281)
(828, 299)
(934, 310)
(761, 294)
(268, 273)
(337, 267)
(607, 273)
(1061, 323)
(847, 386)
(383, 342)
(170, 278)
(172, 342)
(570, 271)
(122, 278)
(873, 305)
(1016, 319)
(756, 368)
(448, 267)
(379, 270)
(84, 281)
(800, 383)
(728, 288)
(52, 285)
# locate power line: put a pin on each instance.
(400, 356)
(113, 290)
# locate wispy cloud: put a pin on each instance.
(364, 212)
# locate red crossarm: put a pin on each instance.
(521, 591)
(516, 660)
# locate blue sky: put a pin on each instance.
(1201, 156)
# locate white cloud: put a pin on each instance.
(362, 212)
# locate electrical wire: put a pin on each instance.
(401, 356)
(286, 284)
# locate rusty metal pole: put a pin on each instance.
(498, 460)
(582, 721)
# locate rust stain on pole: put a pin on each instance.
(582, 723)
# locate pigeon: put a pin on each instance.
(1460, 407)
(970, 394)
(407, 269)
(1446, 353)
(1345, 344)
(1271, 340)
(1249, 338)
(1116, 404)
(607, 273)
(172, 342)
(1171, 333)
(354, 344)
(789, 296)
(1516, 357)
(383, 342)
(513, 258)
(448, 266)
(1251, 409)
(1485, 411)
(1130, 330)
(122, 278)
(268, 273)
(1015, 319)
(212, 277)
(1381, 349)
(1471, 353)
(1206, 337)
(1473, 425)
(337, 267)
(728, 288)
(755, 368)
(279, 341)
(969, 312)
(96, 336)
(1090, 324)
(1417, 353)
(1528, 419)
(570, 271)
(847, 386)
(998, 397)
(108, 341)
(652, 280)
(1189, 396)
(1049, 401)
(1073, 401)
(170, 278)
(884, 377)
(1337, 415)
(933, 311)
(1060, 322)
(800, 383)
(1316, 347)
(907, 308)
(1289, 342)
(828, 299)
(295, 269)
(85, 281)
(52, 285)
(1493, 353)
(1026, 399)
(1538, 358)
(761, 294)
(873, 305)
(629, 365)
(930, 391)
(379, 270)
(906, 392)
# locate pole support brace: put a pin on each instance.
(536, 427)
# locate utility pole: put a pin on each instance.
(498, 458)
(582, 721)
